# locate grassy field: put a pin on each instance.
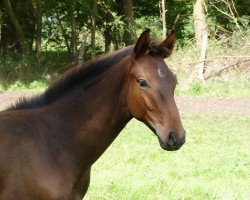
(213, 164)
(237, 86)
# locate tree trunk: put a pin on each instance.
(200, 27)
(82, 49)
(38, 13)
(9, 39)
(111, 33)
(16, 24)
(200, 22)
(201, 63)
(93, 28)
(163, 15)
(73, 32)
(73, 36)
(108, 39)
(129, 33)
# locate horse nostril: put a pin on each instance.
(171, 138)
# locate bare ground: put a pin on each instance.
(186, 105)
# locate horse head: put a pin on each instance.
(151, 88)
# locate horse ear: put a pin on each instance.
(166, 47)
(142, 43)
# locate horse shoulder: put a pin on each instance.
(36, 162)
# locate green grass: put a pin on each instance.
(34, 86)
(213, 164)
(237, 86)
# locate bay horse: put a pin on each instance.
(49, 142)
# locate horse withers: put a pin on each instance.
(48, 143)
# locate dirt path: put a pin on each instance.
(186, 105)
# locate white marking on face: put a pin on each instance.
(161, 73)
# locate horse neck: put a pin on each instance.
(95, 116)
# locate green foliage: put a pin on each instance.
(184, 27)
(144, 8)
(24, 68)
(223, 16)
(196, 89)
(154, 23)
(17, 69)
(212, 164)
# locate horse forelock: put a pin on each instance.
(155, 49)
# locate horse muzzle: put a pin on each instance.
(172, 142)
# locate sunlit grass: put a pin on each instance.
(238, 86)
(213, 164)
(34, 86)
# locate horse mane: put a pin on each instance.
(85, 75)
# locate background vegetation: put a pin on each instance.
(40, 39)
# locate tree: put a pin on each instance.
(200, 27)
(73, 31)
(82, 49)
(93, 27)
(227, 9)
(16, 24)
(163, 15)
(37, 4)
(108, 11)
(129, 36)
(18, 30)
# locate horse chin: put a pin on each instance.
(158, 132)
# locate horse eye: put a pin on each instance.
(142, 83)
